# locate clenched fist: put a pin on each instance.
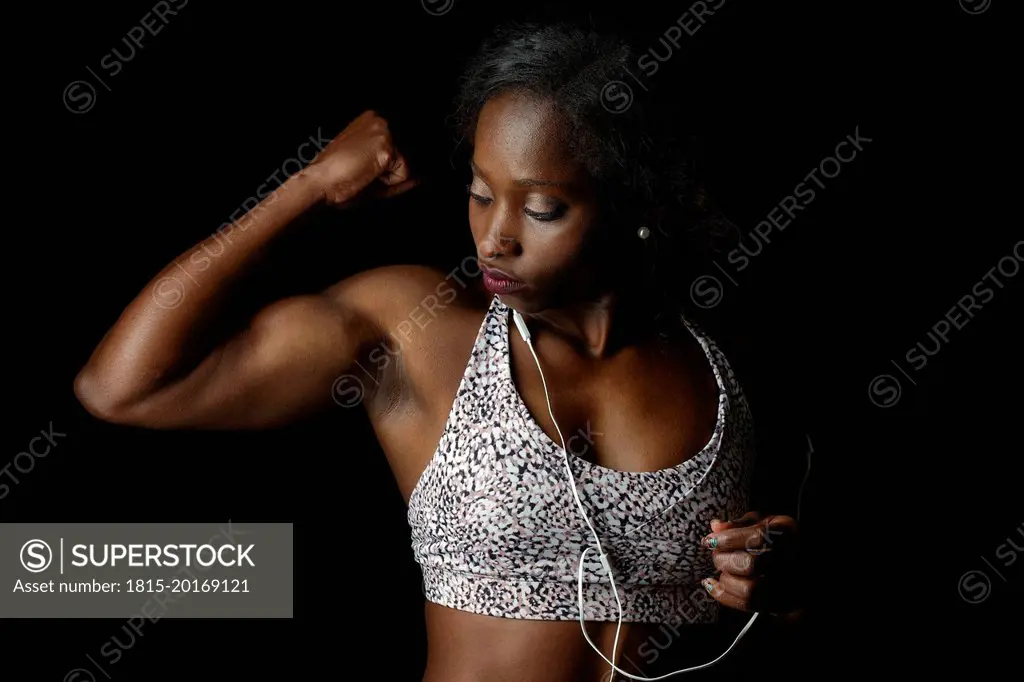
(361, 162)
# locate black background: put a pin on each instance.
(903, 500)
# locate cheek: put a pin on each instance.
(573, 240)
(476, 224)
(557, 251)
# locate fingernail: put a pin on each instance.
(708, 584)
(710, 541)
(716, 521)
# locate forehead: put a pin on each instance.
(521, 136)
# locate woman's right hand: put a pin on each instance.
(361, 162)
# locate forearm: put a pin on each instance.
(166, 327)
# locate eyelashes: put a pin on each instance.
(545, 216)
(482, 200)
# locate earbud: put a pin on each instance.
(521, 323)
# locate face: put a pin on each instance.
(532, 209)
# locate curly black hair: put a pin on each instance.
(623, 135)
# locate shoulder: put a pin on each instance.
(424, 321)
(729, 343)
(393, 296)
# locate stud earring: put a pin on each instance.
(643, 232)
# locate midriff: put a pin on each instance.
(468, 647)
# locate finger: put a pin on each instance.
(752, 538)
(749, 518)
(723, 596)
(397, 171)
(738, 586)
(395, 190)
(767, 595)
(742, 563)
(780, 525)
(748, 538)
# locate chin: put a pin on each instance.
(526, 302)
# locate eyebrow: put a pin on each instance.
(522, 182)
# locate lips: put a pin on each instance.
(498, 282)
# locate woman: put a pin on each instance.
(583, 217)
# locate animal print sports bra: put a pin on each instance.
(496, 530)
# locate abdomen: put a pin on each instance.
(467, 647)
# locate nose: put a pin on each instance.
(502, 246)
(501, 241)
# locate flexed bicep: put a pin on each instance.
(277, 370)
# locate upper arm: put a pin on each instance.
(275, 370)
(283, 366)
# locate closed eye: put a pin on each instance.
(547, 215)
(544, 216)
(480, 199)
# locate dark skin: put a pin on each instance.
(533, 213)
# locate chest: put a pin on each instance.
(646, 409)
(497, 495)
(642, 410)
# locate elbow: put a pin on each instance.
(97, 399)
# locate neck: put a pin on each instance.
(601, 325)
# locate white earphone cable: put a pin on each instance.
(572, 484)
(524, 331)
